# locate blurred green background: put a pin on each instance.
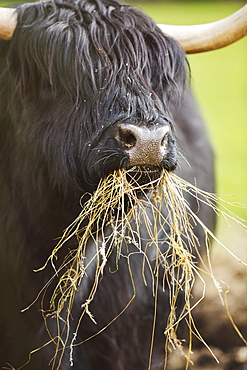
(219, 81)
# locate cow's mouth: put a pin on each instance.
(138, 183)
(145, 176)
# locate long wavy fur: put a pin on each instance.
(81, 66)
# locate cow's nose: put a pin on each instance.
(144, 146)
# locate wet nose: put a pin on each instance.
(144, 146)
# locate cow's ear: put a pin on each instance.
(8, 23)
(209, 36)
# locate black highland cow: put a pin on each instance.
(81, 81)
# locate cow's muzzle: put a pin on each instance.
(145, 146)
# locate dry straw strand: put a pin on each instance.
(113, 216)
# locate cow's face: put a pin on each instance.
(96, 92)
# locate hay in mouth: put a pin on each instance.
(108, 223)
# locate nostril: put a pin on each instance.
(164, 139)
(127, 138)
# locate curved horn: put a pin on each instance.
(8, 22)
(209, 36)
(194, 39)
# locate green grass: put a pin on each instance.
(219, 81)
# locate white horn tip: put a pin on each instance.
(8, 22)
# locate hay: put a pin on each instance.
(106, 221)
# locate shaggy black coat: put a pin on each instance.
(72, 70)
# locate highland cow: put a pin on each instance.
(87, 87)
